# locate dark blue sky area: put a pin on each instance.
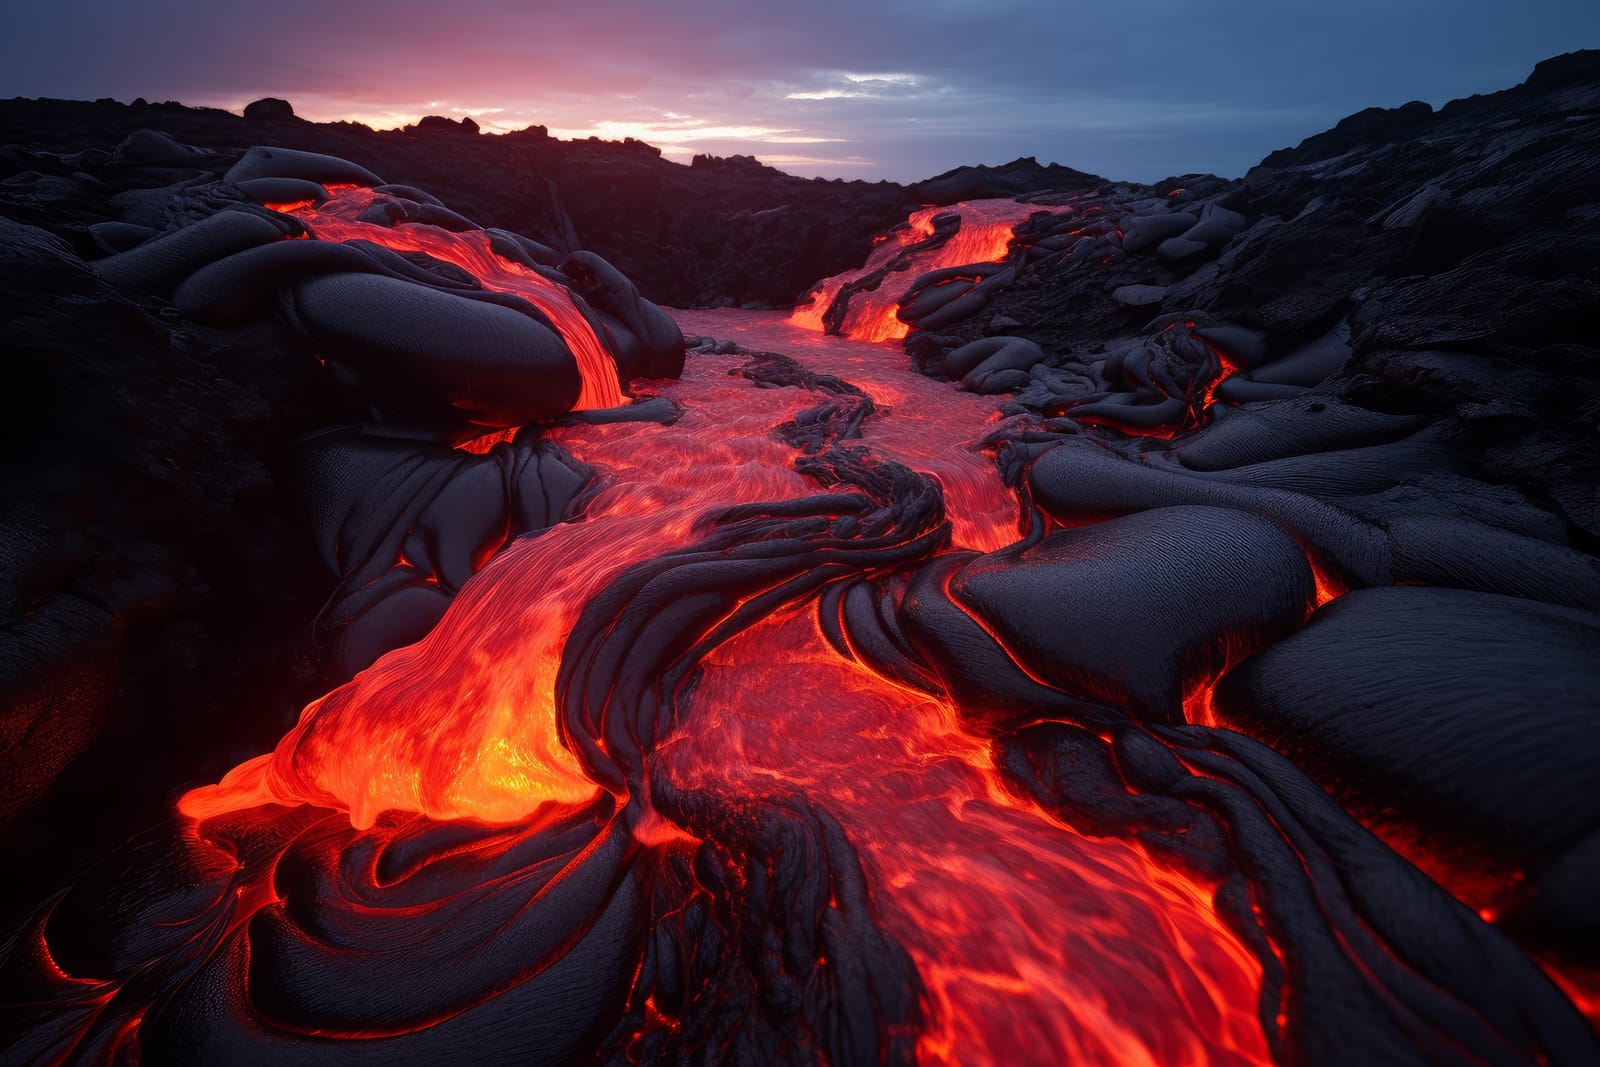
(1137, 89)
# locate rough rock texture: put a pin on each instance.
(1407, 260)
(1407, 678)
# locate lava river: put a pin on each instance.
(1032, 940)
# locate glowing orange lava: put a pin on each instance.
(1034, 940)
(462, 724)
(1228, 365)
(984, 237)
(336, 220)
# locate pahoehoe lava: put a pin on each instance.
(1177, 645)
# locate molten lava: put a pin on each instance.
(1028, 935)
(983, 237)
(336, 220)
(462, 724)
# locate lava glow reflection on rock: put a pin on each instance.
(337, 219)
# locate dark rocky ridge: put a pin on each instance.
(717, 231)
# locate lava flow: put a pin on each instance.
(462, 724)
(336, 219)
(1028, 935)
(984, 236)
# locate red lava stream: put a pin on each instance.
(983, 237)
(337, 219)
(1037, 944)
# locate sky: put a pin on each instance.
(1135, 90)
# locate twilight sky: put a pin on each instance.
(1134, 89)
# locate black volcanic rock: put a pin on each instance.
(1372, 125)
(1020, 177)
(441, 124)
(723, 231)
(734, 163)
(1343, 696)
(269, 109)
(158, 578)
(155, 592)
(1443, 261)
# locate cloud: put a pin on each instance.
(850, 86)
(828, 94)
(887, 79)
